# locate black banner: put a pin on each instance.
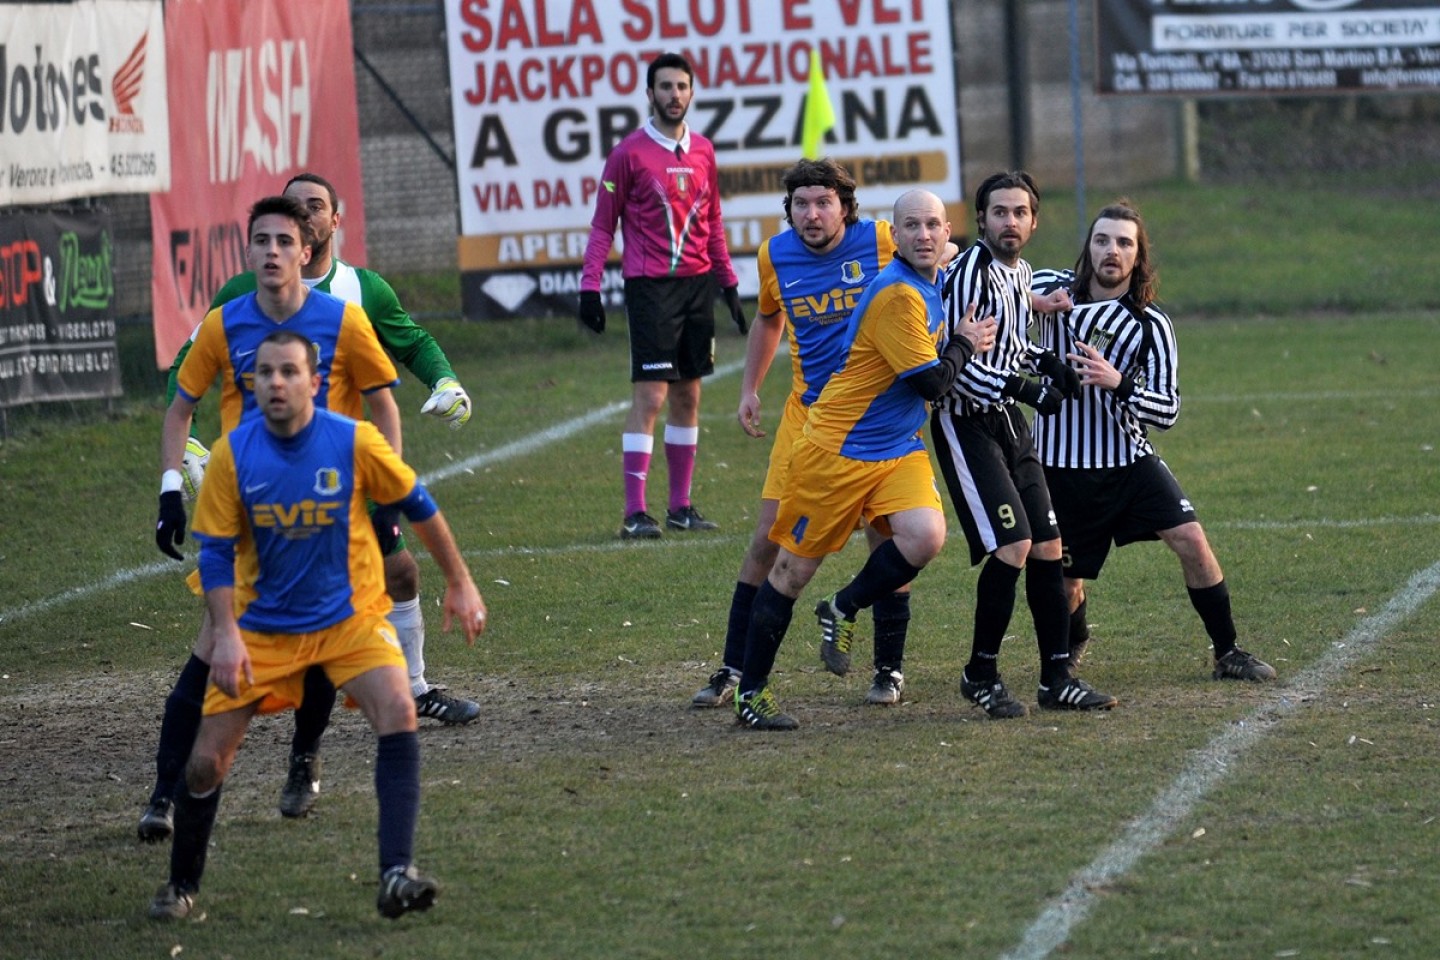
(57, 321)
(1194, 48)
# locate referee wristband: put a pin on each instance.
(170, 481)
(1124, 388)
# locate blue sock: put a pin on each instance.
(194, 822)
(739, 624)
(886, 570)
(397, 788)
(769, 619)
(179, 727)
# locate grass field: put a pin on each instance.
(590, 813)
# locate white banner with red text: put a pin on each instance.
(543, 90)
(82, 100)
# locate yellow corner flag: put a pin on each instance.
(819, 111)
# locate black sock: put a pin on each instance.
(769, 619)
(313, 714)
(397, 790)
(994, 605)
(1079, 626)
(739, 624)
(885, 571)
(194, 822)
(1213, 605)
(892, 623)
(1045, 593)
(178, 728)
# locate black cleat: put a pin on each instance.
(1074, 694)
(640, 526)
(993, 697)
(404, 890)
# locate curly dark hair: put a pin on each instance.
(822, 173)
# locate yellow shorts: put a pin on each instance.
(353, 646)
(790, 429)
(827, 495)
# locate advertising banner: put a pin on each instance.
(265, 90)
(542, 91)
(57, 322)
(1197, 48)
(82, 100)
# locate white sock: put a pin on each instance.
(409, 623)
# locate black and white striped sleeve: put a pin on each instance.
(1156, 399)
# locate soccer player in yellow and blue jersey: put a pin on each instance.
(861, 455)
(292, 575)
(352, 365)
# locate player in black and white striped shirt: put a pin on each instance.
(982, 442)
(1106, 480)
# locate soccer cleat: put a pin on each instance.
(719, 691)
(1239, 665)
(437, 705)
(640, 526)
(302, 785)
(836, 636)
(1074, 694)
(158, 821)
(889, 687)
(171, 903)
(760, 711)
(403, 890)
(688, 518)
(993, 697)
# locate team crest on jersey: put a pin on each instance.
(681, 179)
(851, 271)
(1101, 339)
(327, 481)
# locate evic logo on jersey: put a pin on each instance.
(818, 295)
(352, 362)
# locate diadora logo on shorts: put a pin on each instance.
(297, 521)
(657, 366)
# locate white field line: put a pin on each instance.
(509, 451)
(1174, 805)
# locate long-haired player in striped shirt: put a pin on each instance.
(1107, 483)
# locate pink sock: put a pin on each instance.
(636, 463)
(680, 446)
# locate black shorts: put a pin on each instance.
(672, 327)
(996, 483)
(1117, 505)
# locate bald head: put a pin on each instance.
(921, 230)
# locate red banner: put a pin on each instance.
(260, 90)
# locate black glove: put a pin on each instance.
(592, 311)
(386, 521)
(1060, 373)
(737, 312)
(1045, 398)
(170, 528)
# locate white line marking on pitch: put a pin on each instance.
(1176, 802)
(509, 451)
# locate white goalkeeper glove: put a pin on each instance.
(192, 468)
(449, 402)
